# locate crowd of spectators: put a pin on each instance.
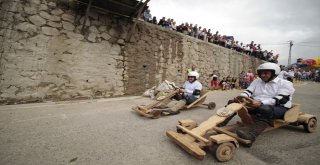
(205, 34)
(228, 83)
(300, 73)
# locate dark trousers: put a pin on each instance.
(267, 113)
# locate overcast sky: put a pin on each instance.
(272, 23)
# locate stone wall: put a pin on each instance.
(155, 54)
(46, 56)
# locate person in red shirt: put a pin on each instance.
(214, 82)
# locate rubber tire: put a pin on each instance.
(224, 151)
(311, 126)
(211, 105)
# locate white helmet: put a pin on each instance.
(214, 76)
(269, 66)
(194, 74)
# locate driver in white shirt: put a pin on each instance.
(272, 98)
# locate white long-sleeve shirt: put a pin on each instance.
(190, 87)
(284, 74)
(271, 91)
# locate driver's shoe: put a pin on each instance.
(254, 131)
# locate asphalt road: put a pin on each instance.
(107, 131)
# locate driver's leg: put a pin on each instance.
(166, 101)
(188, 99)
(264, 115)
(279, 112)
(177, 107)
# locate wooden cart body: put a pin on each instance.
(194, 138)
(146, 110)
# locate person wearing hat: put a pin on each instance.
(272, 97)
(186, 95)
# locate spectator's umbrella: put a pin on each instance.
(309, 62)
(316, 62)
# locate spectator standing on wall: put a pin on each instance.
(209, 36)
(195, 30)
(199, 31)
(216, 37)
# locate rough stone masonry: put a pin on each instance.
(46, 56)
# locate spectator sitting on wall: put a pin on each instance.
(222, 41)
(174, 26)
(167, 24)
(259, 52)
(199, 31)
(162, 21)
(203, 34)
(228, 43)
(180, 28)
(147, 16)
(185, 28)
(247, 49)
(234, 45)
(265, 55)
(240, 48)
(189, 29)
(154, 20)
(274, 58)
(254, 50)
(269, 55)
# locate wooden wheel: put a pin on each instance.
(311, 126)
(211, 105)
(224, 151)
